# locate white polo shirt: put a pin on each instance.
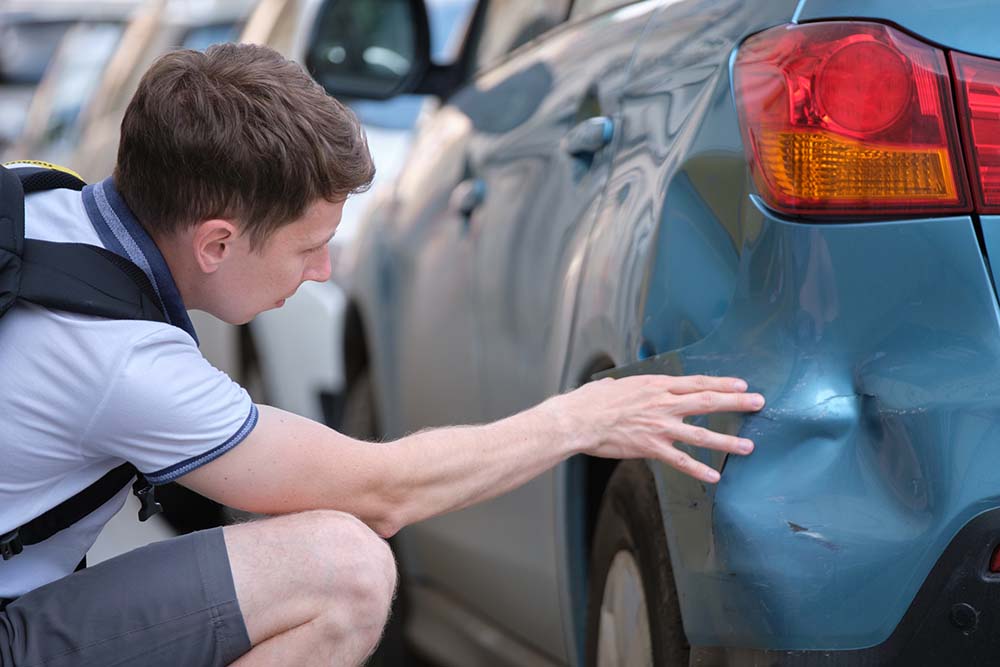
(83, 394)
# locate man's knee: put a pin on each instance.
(320, 566)
(360, 567)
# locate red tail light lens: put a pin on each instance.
(979, 97)
(995, 560)
(849, 119)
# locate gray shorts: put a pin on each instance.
(170, 603)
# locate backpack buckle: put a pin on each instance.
(10, 544)
(146, 494)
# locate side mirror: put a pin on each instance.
(370, 49)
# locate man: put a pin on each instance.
(232, 172)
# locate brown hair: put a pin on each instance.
(237, 133)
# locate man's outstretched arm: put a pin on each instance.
(291, 464)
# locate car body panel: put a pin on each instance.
(506, 129)
(989, 226)
(953, 25)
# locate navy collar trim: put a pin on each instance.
(122, 234)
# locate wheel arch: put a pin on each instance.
(587, 478)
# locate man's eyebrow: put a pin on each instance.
(323, 241)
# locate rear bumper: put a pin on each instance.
(954, 619)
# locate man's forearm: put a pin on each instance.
(439, 470)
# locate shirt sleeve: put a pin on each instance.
(168, 411)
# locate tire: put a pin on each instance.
(630, 569)
(360, 421)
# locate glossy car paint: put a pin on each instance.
(481, 274)
(875, 343)
(953, 25)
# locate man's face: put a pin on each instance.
(261, 279)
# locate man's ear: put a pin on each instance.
(212, 242)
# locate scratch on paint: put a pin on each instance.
(805, 532)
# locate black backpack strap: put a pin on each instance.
(78, 278)
(86, 279)
(11, 237)
(74, 277)
(76, 507)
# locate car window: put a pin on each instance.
(507, 24)
(447, 20)
(204, 36)
(76, 71)
(586, 8)
(26, 49)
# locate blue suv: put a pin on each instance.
(801, 193)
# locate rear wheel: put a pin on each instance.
(633, 618)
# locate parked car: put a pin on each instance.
(29, 35)
(90, 33)
(298, 345)
(801, 193)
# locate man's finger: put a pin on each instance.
(703, 437)
(706, 402)
(689, 384)
(680, 461)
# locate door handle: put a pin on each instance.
(589, 136)
(468, 195)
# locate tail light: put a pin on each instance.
(978, 82)
(849, 119)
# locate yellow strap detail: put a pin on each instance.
(45, 165)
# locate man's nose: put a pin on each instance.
(320, 270)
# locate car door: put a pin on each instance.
(542, 130)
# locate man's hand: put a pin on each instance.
(642, 417)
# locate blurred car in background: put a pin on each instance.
(803, 193)
(298, 346)
(51, 127)
(30, 34)
(160, 26)
(75, 120)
